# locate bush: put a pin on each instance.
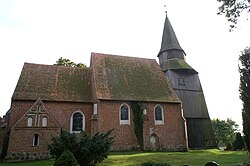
(229, 147)
(238, 143)
(154, 164)
(66, 159)
(87, 149)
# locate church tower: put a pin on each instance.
(186, 83)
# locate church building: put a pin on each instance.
(48, 99)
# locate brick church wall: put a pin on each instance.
(109, 119)
(21, 141)
(171, 134)
(62, 112)
(21, 136)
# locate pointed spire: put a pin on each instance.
(169, 39)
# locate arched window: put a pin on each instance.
(45, 122)
(30, 119)
(77, 122)
(124, 114)
(36, 140)
(159, 116)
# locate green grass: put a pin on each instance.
(193, 158)
(30, 163)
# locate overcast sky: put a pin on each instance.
(41, 31)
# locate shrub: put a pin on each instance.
(87, 149)
(66, 159)
(238, 143)
(229, 147)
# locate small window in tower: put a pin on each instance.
(181, 81)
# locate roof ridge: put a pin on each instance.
(28, 63)
(104, 54)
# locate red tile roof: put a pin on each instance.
(53, 83)
(130, 78)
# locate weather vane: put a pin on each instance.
(165, 6)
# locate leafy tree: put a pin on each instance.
(238, 143)
(244, 69)
(224, 130)
(66, 62)
(232, 10)
(67, 158)
(87, 149)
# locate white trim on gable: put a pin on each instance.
(36, 117)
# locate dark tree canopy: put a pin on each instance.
(244, 69)
(232, 10)
(66, 62)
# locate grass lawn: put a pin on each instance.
(193, 158)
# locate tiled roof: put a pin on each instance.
(129, 78)
(53, 83)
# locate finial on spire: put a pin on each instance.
(165, 6)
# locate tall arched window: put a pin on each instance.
(30, 119)
(45, 122)
(124, 114)
(77, 122)
(159, 116)
(36, 140)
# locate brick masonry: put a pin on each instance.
(170, 136)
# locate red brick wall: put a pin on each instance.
(18, 109)
(109, 119)
(62, 112)
(21, 140)
(172, 136)
(59, 114)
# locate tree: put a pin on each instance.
(233, 9)
(244, 69)
(238, 143)
(87, 149)
(66, 62)
(224, 130)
